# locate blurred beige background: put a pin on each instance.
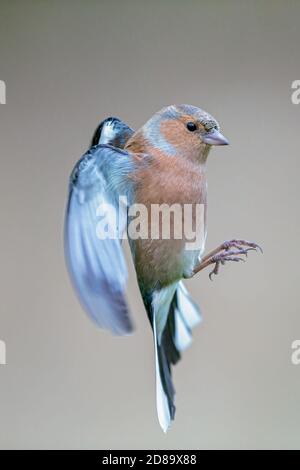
(69, 64)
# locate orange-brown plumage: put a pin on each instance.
(166, 180)
(178, 177)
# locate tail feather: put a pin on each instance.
(188, 309)
(164, 396)
(172, 314)
(187, 316)
(169, 337)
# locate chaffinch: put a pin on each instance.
(164, 162)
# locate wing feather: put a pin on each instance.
(97, 266)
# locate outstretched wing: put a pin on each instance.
(96, 264)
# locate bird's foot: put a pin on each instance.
(224, 253)
(239, 244)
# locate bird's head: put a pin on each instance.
(183, 130)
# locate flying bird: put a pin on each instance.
(164, 162)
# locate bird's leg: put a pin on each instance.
(224, 253)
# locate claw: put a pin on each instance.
(215, 271)
(211, 274)
(249, 249)
(260, 249)
(252, 245)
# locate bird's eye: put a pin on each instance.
(191, 126)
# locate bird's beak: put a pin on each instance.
(215, 138)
